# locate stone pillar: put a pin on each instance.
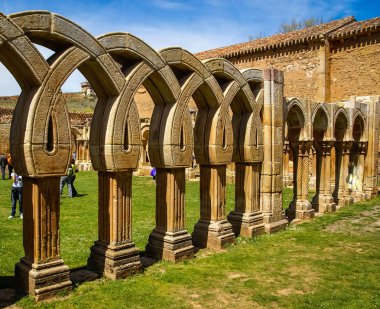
(370, 168)
(286, 179)
(300, 207)
(323, 200)
(114, 255)
(41, 272)
(169, 240)
(271, 179)
(323, 83)
(360, 151)
(313, 178)
(212, 229)
(247, 218)
(342, 195)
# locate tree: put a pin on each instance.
(298, 25)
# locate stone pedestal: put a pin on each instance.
(300, 207)
(41, 273)
(43, 280)
(213, 230)
(323, 200)
(247, 218)
(169, 240)
(114, 255)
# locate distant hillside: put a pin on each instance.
(75, 102)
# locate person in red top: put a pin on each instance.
(10, 165)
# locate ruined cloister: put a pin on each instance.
(242, 118)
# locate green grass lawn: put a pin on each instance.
(332, 261)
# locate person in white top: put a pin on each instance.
(16, 194)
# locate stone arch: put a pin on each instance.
(295, 118)
(148, 68)
(197, 82)
(238, 96)
(29, 68)
(359, 127)
(320, 122)
(75, 48)
(341, 125)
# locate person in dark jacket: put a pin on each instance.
(3, 164)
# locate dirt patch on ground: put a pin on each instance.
(367, 221)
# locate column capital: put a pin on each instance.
(302, 146)
(361, 147)
(343, 147)
(324, 146)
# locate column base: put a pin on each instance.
(170, 246)
(213, 234)
(43, 280)
(300, 209)
(274, 223)
(324, 203)
(344, 200)
(358, 196)
(247, 224)
(114, 261)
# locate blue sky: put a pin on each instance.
(194, 25)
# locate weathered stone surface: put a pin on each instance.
(242, 119)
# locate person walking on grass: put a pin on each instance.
(16, 194)
(3, 164)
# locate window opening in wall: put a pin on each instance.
(50, 135)
(182, 140)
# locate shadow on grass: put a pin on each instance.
(8, 295)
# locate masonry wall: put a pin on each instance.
(355, 67)
(301, 65)
(5, 129)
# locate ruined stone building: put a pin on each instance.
(242, 117)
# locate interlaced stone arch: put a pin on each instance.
(116, 65)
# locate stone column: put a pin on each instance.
(370, 168)
(247, 218)
(323, 200)
(212, 229)
(342, 195)
(360, 150)
(41, 273)
(286, 179)
(169, 240)
(300, 207)
(114, 255)
(313, 178)
(271, 176)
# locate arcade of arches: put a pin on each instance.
(117, 65)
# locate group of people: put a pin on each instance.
(16, 192)
(3, 164)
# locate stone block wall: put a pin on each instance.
(355, 67)
(300, 65)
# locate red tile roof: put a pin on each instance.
(278, 40)
(356, 28)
